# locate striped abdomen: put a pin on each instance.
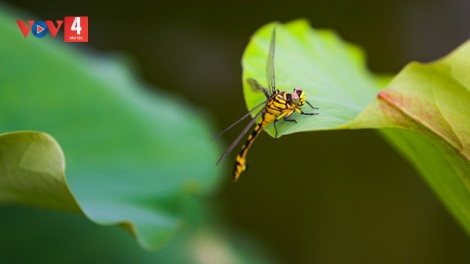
(240, 161)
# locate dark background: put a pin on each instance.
(323, 197)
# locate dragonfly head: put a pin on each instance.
(298, 96)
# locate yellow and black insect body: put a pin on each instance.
(279, 105)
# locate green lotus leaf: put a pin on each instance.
(133, 154)
(423, 111)
(32, 171)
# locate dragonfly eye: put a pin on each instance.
(295, 98)
(300, 94)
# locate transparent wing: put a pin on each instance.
(270, 65)
(255, 85)
(239, 120)
(239, 137)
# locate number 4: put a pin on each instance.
(76, 25)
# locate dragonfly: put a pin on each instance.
(278, 105)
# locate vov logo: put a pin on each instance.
(75, 28)
(39, 28)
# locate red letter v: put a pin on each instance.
(24, 29)
(52, 28)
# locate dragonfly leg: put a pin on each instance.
(275, 128)
(311, 105)
(290, 120)
(303, 113)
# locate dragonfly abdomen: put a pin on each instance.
(240, 161)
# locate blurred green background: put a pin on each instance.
(334, 197)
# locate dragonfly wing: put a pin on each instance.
(239, 120)
(239, 137)
(270, 65)
(255, 85)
